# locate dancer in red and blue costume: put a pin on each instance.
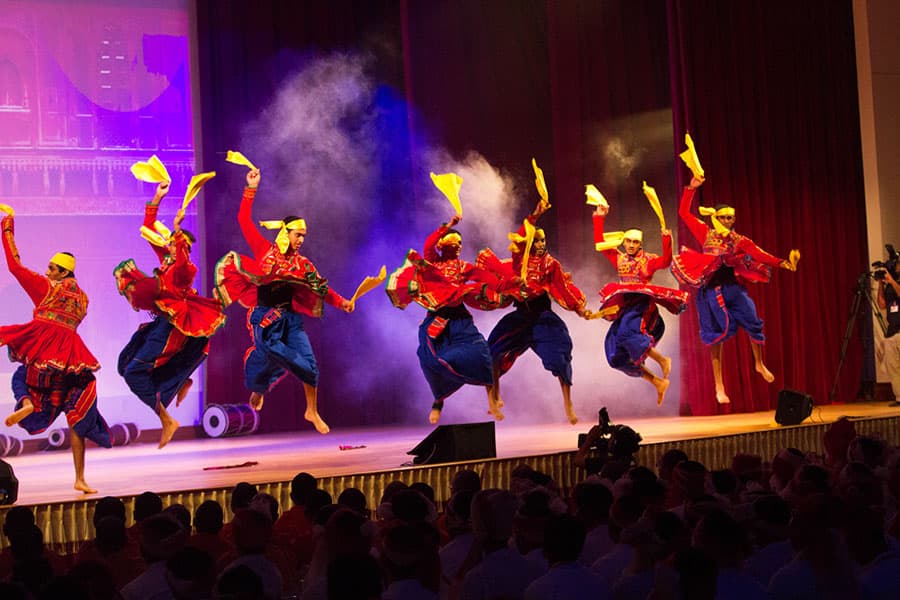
(632, 304)
(161, 356)
(533, 324)
(278, 285)
(452, 352)
(57, 370)
(719, 273)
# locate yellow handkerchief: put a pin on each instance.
(197, 182)
(594, 197)
(152, 171)
(611, 239)
(528, 240)
(794, 258)
(8, 209)
(539, 182)
(654, 203)
(158, 236)
(239, 159)
(368, 284)
(690, 157)
(449, 184)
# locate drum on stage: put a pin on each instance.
(228, 420)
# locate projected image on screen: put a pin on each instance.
(86, 90)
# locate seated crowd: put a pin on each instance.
(796, 526)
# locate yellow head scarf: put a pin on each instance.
(712, 213)
(634, 234)
(66, 261)
(283, 240)
(449, 238)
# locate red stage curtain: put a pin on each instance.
(768, 91)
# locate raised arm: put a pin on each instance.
(429, 249)
(151, 210)
(663, 261)
(694, 223)
(34, 284)
(259, 245)
(183, 270)
(599, 217)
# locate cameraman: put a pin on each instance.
(889, 301)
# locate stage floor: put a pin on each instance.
(46, 477)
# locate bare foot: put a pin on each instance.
(722, 397)
(661, 386)
(666, 364)
(571, 416)
(498, 416)
(434, 416)
(15, 417)
(496, 406)
(317, 421)
(766, 373)
(183, 391)
(256, 401)
(82, 486)
(168, 430)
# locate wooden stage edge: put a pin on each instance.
(181, 471)
(45, 477)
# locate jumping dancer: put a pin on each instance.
(533, 324)
(719, 272)
(57, 370)
(631, 303)
(452, 352)
(277, 285)
(158, 360)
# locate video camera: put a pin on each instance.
(889, 265)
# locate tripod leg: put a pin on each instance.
(848, 332)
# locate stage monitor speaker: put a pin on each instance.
(9, 485)
(793, 407)
(454, 443)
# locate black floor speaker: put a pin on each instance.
(454, 443)
(793, 407)
(9, 485)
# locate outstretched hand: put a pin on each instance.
(696, 182)
(347, 306)
(454, 221)
(601, 210)
(542, 207)
(253, 178)
(162, 189)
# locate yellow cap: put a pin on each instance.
(66, 261)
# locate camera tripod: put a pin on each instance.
(863, 290)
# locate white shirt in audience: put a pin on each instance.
(596, 545)
(733, 584)
(504, 573)
(567, 581)
(452, 557)
(766, 561)
(609, 568)
(880, 579)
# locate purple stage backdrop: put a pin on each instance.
(87, 89)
